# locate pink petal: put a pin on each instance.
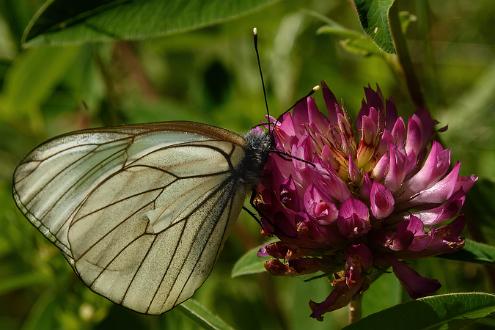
(386, 140)
(374, 98)
(331, 102)
(262, 252)
(443, 212)
(316, 119)
(381, 201)
(441, 240)
(359, 255)
(427, 124)
(366, 187)
(333, 185)
(325, 235)
(374, 115)
(434, 168)
(440, 191)
(414, 141)
(318, 206)
(381, 167)
(399, 132)
(465, 183)
(353, 206)
(369, 130)
(354, 173)
(391, 116)
(300, 117)
(353, 220)
(341, 295)
(346, 133)
(416, 285)
(397, 169)
(400, 238)
(287, 125)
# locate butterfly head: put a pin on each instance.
(258, 146)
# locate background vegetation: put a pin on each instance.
(210, 75)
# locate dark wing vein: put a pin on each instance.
(55, 176)
(28, 160)
(163, 188)
(182, 233)
(81, 179)
(138, 268)
(189, 144)
(110, 231)
(124, 246)
(228, 205)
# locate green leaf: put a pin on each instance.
(249, 263)
(430, 312)
(473, 252)
(21, 281)
(65, 22)
(338, 30)
(360, 46)
(373, 15)
(32, 77)
(42, 314)
(333, 27)
(202, 316)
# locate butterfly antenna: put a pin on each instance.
(255, 41)
(311, 92)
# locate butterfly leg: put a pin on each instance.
(251, 213)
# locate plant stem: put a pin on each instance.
(404, 58)
(355, 308)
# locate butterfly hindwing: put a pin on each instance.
(141, 213)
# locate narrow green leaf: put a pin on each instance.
(333, 27)
(338, 31)
(64, 22)
(41, 316)
(21, 281)
(430, 312)
(7, 44)
(32, 77)
(202, 316)
(249, 263)
(373, 15)
(360, 46)
(473, 252)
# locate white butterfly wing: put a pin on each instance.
(140, 212)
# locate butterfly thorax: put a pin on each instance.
(258, 146)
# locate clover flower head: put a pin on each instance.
(364, 198)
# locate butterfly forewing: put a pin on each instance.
(141, 212)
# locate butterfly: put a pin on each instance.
(141, 212)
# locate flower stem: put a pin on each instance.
(355, 308)
(404, 58)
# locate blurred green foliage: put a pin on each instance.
(210, 75)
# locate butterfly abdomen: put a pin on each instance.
(258, 146)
